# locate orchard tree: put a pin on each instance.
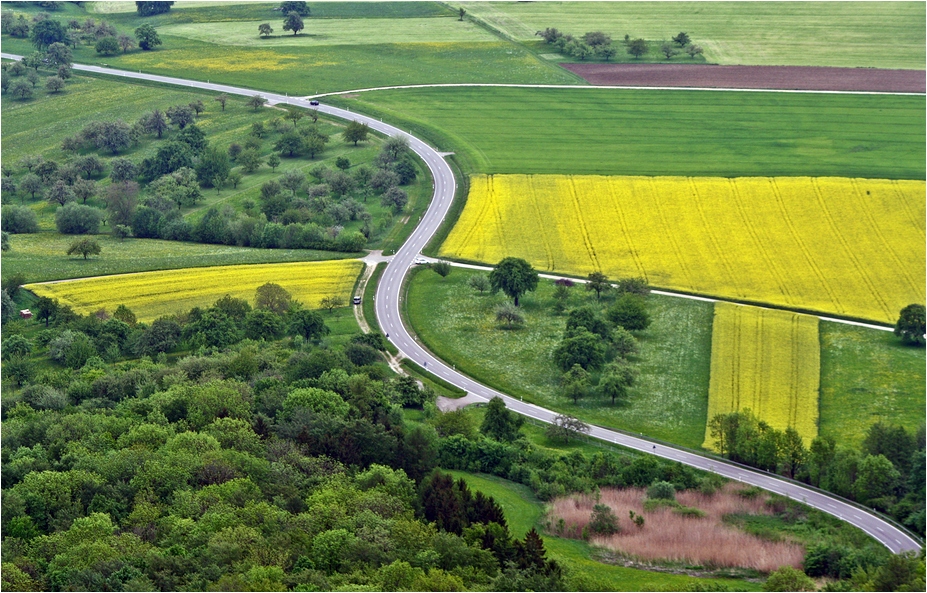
(598, 282)
(694, 50)
(181, 115)
(21, 89)
(147, 37)
(479, 282)
(59, 54)
(575, 383)
(46, 32)
(617, 378)
(513, 276)
(293, 22)
(264, 29)
(356, 132)
(221, 99)
(152, 8)
(682, 39)
(107, 46)
(84, 246)
(331, 303)
(256, 102)
(45, 308)
(125, 43)
(30, 183)
(54, 84)
(60, 193)
(121, 202)
(300, 8)
(911, 324)
(668, 50)
(638, 48)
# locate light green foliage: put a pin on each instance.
(789, 579)
(319, 401)
(852, 135)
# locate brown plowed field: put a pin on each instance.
(807, 78)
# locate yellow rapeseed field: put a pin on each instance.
(851, 247)
(769, 361)
(153, 294)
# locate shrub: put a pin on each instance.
(77, 219)
(662, 490)
(18, 219)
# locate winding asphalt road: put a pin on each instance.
(389, 299)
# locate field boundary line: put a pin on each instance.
(601, 87)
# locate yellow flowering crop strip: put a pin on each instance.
(154, 294)
(769, 361)
(851, 247)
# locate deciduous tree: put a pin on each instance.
(638, 48)
(264, 29)
(293, 22)
(514, 276)
(500, 423)
(911, 324)
(84, 246)
(147, 37)
(356, 132)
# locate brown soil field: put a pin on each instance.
(806, 78)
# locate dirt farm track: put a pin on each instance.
(806, 78)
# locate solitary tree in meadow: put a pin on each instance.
(264, 29)
(222, 99)
(293, 22)
(598, 282)
(514, 276)
(84, 246)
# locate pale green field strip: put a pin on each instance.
(154, 294)
(769, 362)
(436, 31)
(851, 34)
(41, 256)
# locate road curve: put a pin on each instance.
(389, 298)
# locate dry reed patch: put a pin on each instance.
(669, 536)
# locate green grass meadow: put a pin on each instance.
(344, 46)
(41, 256)
(848, 34)
(669, 401)
(653, 132)
(867, 377)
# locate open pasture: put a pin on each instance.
(868, 377)
(41, 256)
(337, 32)
(154, 294)
(851, 247)
(767, 361)
(650, 132)
(766, 33)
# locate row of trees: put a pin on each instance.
(886, 473)
(597, 44)
(45, 31)
(20, 79)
